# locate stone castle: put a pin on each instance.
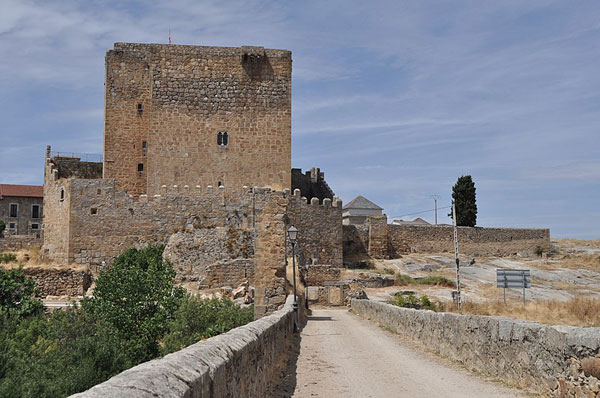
(197, 156)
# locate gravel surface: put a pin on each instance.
(342, 355)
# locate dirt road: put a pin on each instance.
(343, 355)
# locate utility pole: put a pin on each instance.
(458, 298)
(435, 199)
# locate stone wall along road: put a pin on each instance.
(243, 362)
(534, 356)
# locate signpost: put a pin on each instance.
(458, 298)
(513, 279)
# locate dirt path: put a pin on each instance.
(342, 355)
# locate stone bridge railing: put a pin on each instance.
(537, 357)
(243, 362)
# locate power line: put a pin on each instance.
(421, 212)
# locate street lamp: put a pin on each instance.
(292, 233)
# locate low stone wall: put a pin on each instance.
(379, 240)
(531, 355)
(13, 243)
(244, 362)
(317, 275)
(70, 282)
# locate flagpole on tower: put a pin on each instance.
(169, 36)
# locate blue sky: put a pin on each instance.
(392, 99)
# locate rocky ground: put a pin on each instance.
(571, 268)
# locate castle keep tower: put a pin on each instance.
(177, 115)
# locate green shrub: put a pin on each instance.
(388, 271)
(412, 301)
(135, 299)
(8, 258)
(198, 319)
(436, 281)
(18, 295)
(403, 280)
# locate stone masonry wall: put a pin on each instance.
(378, 236)
(244, 362)
(177, 98)
(10, 243)
(213, 257)
(532, 355)
(319, 229)
(403, 239)
(52, 281)
(472, 241)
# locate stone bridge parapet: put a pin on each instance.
(244, 362)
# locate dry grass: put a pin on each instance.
(577, 242)
(579, 311)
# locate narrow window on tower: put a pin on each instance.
(140, 169)
(225, 138)
(220, 139)
(144, 148)
(140, 109)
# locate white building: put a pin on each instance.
(358, 209)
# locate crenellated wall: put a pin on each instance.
(319, 229)
(166, 104)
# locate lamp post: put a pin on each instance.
(292, 233)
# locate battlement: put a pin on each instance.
(217, 51)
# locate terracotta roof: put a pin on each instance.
(360, 202)
(30, 191)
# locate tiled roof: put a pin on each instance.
(30, 191)
(360, 202)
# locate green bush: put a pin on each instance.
(8, 258)
(436, 281)
(137, 313)
(18, 295)
(135, 299)
(403, 280)
(198, 319)
(412, 301)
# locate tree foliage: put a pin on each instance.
(136, 307)
(464, 197)
(18, 295)
(136, 299)
(198, 319)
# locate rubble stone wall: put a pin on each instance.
(319, 229)
(317, 275)
(403, 239)
(9, 243)
(531, 355)
(473, 241)
(175, 99)
(51, 281)
(244, 362)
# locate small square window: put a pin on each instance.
(98, 192)
(12, 225)
(93, 211)
(35, 227)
